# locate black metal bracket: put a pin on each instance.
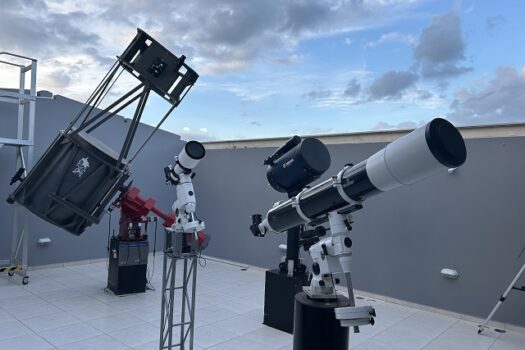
(521, 289)
(17, 176)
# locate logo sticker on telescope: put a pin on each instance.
(288, 163)
(81, 167)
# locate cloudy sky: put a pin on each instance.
(275, 68)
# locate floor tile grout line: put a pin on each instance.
(56, 328)
(31, 330)
(69, 313)
(109, 335)
(239, 336)
(440, 334)
(494, 342)
(392, 325)
(108, 303)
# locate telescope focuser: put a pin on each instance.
(254, 227)
(172, 178)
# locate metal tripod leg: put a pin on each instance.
(501, 299)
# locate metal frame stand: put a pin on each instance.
(172, 254)
(19, 244)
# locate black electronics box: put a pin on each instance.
(128, 265)
(279, 299)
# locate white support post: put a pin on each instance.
(24, 139)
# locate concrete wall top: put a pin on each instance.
(468, 132)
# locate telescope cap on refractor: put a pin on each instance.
(195, 150)
(446, 143)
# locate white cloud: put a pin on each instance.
(217, 36)
(404, 125)
(292, 59)
(392, 85)
(501, 99)
(407, 39)
(441, 48)
(202, 134)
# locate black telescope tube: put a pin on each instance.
(415, 156)
(323, 199)
(301, 164)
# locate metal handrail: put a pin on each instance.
(26, 68)
(19, 56)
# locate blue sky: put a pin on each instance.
(276, 68)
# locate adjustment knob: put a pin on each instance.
(316, 269)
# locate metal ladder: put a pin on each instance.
(26, 100)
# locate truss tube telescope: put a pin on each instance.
(422, 153)
(78, 175)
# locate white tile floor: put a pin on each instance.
(66, 308)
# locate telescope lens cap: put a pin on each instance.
(194, 150)
(446, 143)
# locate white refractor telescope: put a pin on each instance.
(429, 150)
(180, 175)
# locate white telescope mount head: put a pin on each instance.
(180, 175)
(331, 261)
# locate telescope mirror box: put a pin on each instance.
(73, 182)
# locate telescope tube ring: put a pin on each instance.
(297, 205)
(338, 184)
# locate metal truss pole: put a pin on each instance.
(184, 325)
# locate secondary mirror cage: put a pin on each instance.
(156, 68)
